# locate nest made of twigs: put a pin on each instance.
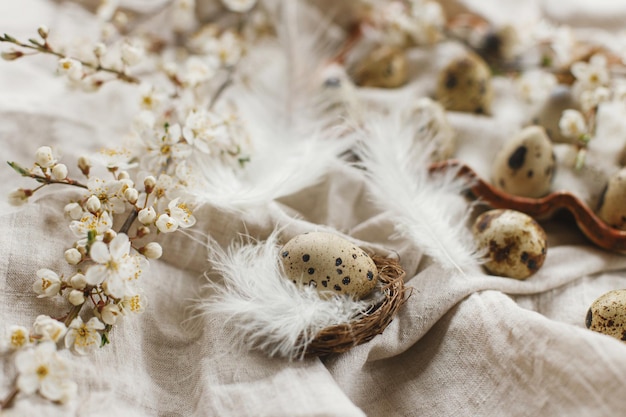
(343, 337)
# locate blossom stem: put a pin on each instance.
(46, 49)
(42, 179)
(222, 87)
(73, 314)
(129, 221)
(8, 401)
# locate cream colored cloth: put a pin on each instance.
(476, 345)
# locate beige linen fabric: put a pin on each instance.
(473, 345)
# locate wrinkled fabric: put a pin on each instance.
(474, 345)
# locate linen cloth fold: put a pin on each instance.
(469, 344)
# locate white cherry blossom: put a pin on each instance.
(47, 284)
(161, 148)
(82, 337)
(593, 74)
(134, 303)
(111, 260)
(97, 224)
(572, 124)
(180, 211)
(42, 370)
(46, 328)
(16, 338)
(109, 192)
(206, 131)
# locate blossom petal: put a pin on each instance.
(99, 252)
(96, 274)
(119, 246)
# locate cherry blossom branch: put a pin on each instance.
(8, 400)
(45, 48)
(43, 179)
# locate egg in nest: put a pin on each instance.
(330, 264)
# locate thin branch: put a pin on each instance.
(42, 179)
(222, 87)
(46, 49)
(8, 400)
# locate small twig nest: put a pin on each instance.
(343, 337)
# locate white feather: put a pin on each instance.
(428, 209)
(282, 105)
(268, 311)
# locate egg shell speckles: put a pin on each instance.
(384, 67)
(611, 207)
(329, 263)
(525, 164)
(465, 85)
(607, 314)
(516, 244)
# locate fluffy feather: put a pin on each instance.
(269, 312)
(428, 209)
(283, 107)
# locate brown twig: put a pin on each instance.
(46, 49)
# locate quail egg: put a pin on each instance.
(525, 164)
(465, 85)
(612, 207)
(384, 67)
(433, 127)
(607, 314)
(514, 243)
(329, 263)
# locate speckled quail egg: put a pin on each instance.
(433, 128)
(384, 67)
(607, 314)
(515, 244)
(329, 263)
(465, 85)
(525, 164)
(612, 204)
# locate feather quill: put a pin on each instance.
(267, 311)
(427, 209)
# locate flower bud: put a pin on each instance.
(149, 183)
(19, 196)
(47, 328)
(84, 165)
(147, 215)
(131, 54)
(78, 281)
(132, 195)
(110, 314)
(93, 204)
(74, 211)
(123, 175)
(143, 231)
(43, 32)
(76, 297)
(72, 256)
(152, 250)
(108, 236)
(44, 157)
(11, 55)
(99, 50)
(59, 172)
